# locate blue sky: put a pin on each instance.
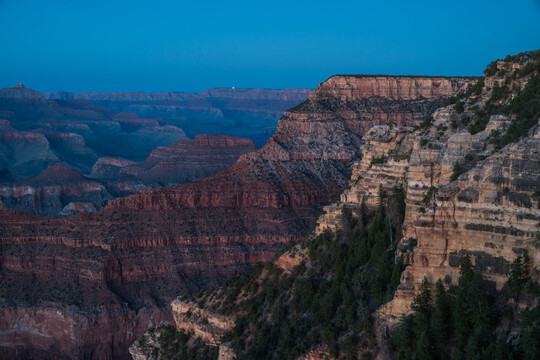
(164, 45)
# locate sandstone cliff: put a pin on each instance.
(465, 194)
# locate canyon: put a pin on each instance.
(470, 178)
(114, 154)
(113, 273)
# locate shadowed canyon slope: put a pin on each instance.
(119, 267)
(62, 191)
(251, 113)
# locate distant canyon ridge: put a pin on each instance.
(63, 153)
(250, 113)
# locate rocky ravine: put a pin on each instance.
(132, 257)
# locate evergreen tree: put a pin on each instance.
(423, 351)
(364, 212)
(515, 282)
(402, 338)
(381, 200)
(422, 308)
(530, 333)
(396, 273)
(440, 319)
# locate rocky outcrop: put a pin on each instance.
(365, 101)
(58, 190)
(490, 213)
(201, 323)
(62, 191)
(140, 251)
(109, 168)
(40, 133)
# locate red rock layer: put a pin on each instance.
(141, 251)
(185, 161)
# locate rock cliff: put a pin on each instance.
(471, 185)
(186, 161)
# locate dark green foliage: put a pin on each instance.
(450, 101)
(526, 106)
(457, 170)
(440, 320)
(499, 93)
(491, 69)
(350, 274)
(530, 333)
(174, 344)
(523, 56)
(402, 338)
(459, 107)
(377, 160)
(429, 195)
(519, 274)
(476, 89)
(465, 322)
(479, 125)
(422, 308)
(426, 123)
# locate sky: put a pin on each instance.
(162, 45)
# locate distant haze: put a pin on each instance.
(191, 46)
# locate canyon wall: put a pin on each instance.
(464, 194)
(141, 251)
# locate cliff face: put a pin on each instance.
(58, 190)
(140, 251)
(186, 161)
(465, 195)
(36, 133)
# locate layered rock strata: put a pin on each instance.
(141, 250)
(490, 212)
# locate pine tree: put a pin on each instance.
(440, 319)
(396, 273)
(422, 308)
(364, 212)
(381, 200)
(402, 338)
(466, 270)
(423, 351)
